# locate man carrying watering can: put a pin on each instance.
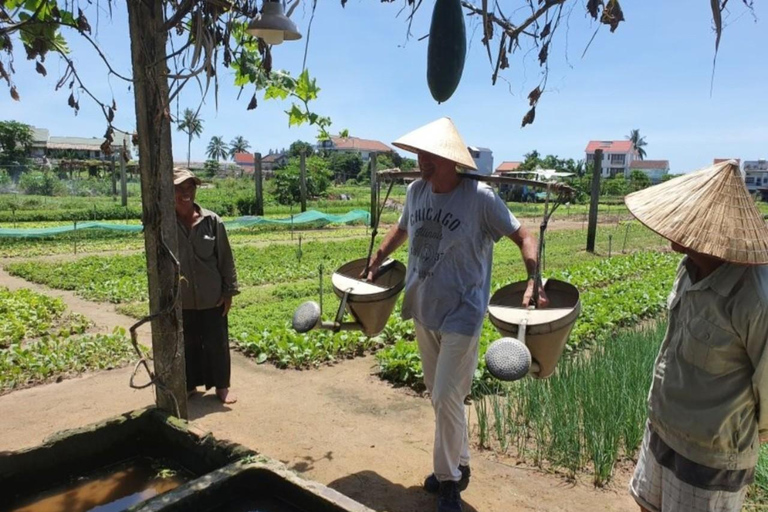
(451, 225)
(708, 404)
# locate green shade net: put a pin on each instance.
(308, 217)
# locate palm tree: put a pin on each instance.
(217, 148)
(638, 143)
(238, 145)
(192, 125)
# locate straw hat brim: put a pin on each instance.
(708, 211)
(439, 138)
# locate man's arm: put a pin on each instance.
(394, 239)
(756, 339)
(226, 265)
(528, 250)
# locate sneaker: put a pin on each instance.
(431, 484)
(449, 497)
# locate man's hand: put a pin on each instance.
(373, 269)
(528, 296)
(226, 302)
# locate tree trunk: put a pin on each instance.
(189, 148)
(148, 55)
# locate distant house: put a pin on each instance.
(364, 147)
(654, 169)
(273, 161)
(483, 158)
(756, 175)
(721, 160)
(84, 148)
(618, 156)
(269, 162)
(507, 166)
(245, 162)
(196, 167)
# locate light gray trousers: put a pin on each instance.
(449, 361)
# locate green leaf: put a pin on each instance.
(274, 91)
(306, 88)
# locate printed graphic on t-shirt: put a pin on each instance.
(433, 226)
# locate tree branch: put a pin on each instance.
(509, 28)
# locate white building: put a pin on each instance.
(755, 174)
(363, 147)
(654, 169)
(46, 145)
(483, 158)
(618, 156)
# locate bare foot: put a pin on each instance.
(225, 396)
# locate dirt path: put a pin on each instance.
(339, 425)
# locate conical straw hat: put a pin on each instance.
(709, 211)
(440, 138)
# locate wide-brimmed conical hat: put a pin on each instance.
(440, 138)
(709, 211)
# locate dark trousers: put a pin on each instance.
(206, 348)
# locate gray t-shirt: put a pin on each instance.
(450, 253)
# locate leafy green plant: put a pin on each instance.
(56, 357)
(25, 314)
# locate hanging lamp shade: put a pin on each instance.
(272, 25)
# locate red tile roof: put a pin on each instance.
(247, 158)
(612, 146)
(360, 144)
(650, 164)
(507, 166)
(244, 158)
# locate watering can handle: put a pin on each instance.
(342, 307)
(521, 330)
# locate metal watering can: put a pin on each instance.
(369, 303)
(534, 339)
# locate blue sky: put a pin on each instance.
(653, 73)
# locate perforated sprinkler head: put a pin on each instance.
(306, 317)
(508, 359)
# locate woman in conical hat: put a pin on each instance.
(708, 404)
(451, 225)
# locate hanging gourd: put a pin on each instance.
(447, 49)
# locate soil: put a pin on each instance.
(339, 425)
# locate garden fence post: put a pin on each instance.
(303, 181)
(113, 175)
(610, 243)
(123, 179)
(259, 184)
(626, 234)
(374, 195)
(594, 203)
